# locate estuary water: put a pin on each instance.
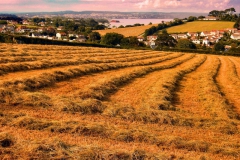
(125, 22)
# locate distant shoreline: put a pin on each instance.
(125, 22)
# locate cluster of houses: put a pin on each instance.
(38, 33)
(207, 38)
(61, 36)
(7, 29)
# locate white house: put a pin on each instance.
(235, 36)
(140, 38)
(214, 32)
(151, 38)
(205, 33)
(196, 41)
(25, 22)
(192, 34)
(61, 35)
(206, 42)
(175, 36)
(182, 36)
(214, 40)
(81, 38)
(210, 18)
(232, 30)
(60, 28)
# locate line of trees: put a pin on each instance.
(164, 40)
(79, 25)
(116, 39)
(10, 17)
(226, 15)
(237, 23)
(160, 26)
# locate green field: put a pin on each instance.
(198, 26)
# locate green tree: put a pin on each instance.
(3, 22)
(129, 25)
(137, 24)
(150, 31)
(226, 36)
(38, 20)
(81, 29)
(214, 13)
(165, 40)
(112, 38)
(124, 42)
(70, 26)
(201, 17)
(99, 27)
(237, 23)
(91, 22)
(58, 22)
(191, 18)
(131, 41)
(94, 36)
(230, 10)
(219, 46)
(185, 44)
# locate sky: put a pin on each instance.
(203, 6)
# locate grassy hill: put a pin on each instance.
(188, 27)
(129, 31)
(201, 26)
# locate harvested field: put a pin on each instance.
(129, 31)
(61, 102)
(199, 26)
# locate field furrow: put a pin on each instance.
(199, 95)
(158, 93)
(102, 87)
(178, 138)
(45, 64)
(68, 146)
(99, 88)
(66, 102)
(229, 83)
(236, 62)
(44, 78)
(63, 88)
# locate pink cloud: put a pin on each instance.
(118, 5)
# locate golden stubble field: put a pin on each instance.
(129, 31)
(199, 26)
(62, 102)
(196, 26)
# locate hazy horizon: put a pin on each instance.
(200, 6)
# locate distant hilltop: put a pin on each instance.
(10, 17)
(112, 14)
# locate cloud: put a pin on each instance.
(119, 5)
(185, 5)
(235, 4)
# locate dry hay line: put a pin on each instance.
(63, 102)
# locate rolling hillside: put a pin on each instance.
(129, 31)
(198, 26)
(63, 102)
